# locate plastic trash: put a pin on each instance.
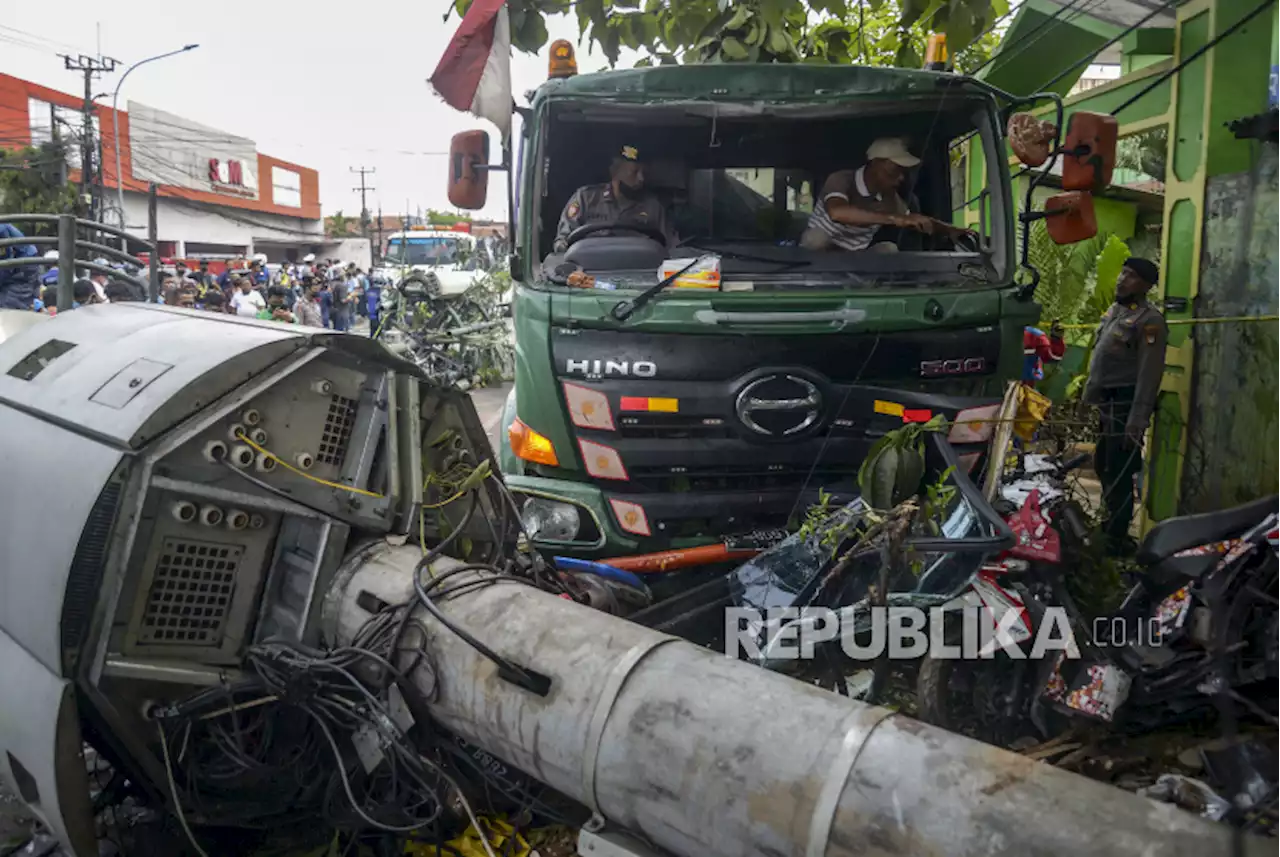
(1189, 794)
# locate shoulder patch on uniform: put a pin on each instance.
(573, 209)
(1151, 332)
(642, 215)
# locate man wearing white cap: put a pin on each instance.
(855, 204)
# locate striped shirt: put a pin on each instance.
(851, 186)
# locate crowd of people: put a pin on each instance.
(311, 293)
(314, 294)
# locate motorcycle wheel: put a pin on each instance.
(969, 696)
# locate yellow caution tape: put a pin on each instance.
(1229, 319)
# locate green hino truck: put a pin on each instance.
(648, 415)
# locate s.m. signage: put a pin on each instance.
(230, 173)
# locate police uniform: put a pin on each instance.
(1124, 379)
(599, 204)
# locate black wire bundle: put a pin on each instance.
(286, 742)
(281, 744)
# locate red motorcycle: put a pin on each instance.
(1200, 623)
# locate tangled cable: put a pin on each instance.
(309, 732)
(258, 749)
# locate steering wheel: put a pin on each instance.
(967, 242)
(588, 229)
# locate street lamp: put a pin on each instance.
(115, 119)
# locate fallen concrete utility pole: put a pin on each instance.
(706, 756)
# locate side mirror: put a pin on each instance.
(469, 169)
(1032, 139)
(1089, 152)
(1069, 217)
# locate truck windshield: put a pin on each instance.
(425, 250)
(750, 185)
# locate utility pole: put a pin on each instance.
(378, 250)
(364, 208)
(90, 67)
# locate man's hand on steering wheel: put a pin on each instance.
(588, 229)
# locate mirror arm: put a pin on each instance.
(1032, 216)
(1029, 290)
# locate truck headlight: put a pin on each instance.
(550, 520)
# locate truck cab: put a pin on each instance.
(644, 419)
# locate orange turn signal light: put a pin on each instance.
(531, 446)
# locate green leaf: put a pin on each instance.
(773, 11)
(732, 49)
(647, 29)
(906, 56)
(714, 27)
(740, 17)
(960, 30)
(911, 11)
(589, 12)
(533, 32)
(778, 41)
(626, 33)
(756, 34)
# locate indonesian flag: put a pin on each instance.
(475, 72)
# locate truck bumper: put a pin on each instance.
(727, 514)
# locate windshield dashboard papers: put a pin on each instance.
(705, 274)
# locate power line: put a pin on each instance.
(1092, 55)
(54, 44)
(1029, 38)
(1257, 10)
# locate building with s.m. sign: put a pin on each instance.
(218, 197)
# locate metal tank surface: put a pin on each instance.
(707, 756)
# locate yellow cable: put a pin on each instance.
(444, 503)
(287, 466)
(1220, 320)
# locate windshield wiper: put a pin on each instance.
(622, 310)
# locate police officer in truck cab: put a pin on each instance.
(1124, 379)
(622, 200)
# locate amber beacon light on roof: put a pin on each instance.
(562, 62)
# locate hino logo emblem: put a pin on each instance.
(801, 407)
(601, 368)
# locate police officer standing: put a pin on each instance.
(623, 200)
(1124, 379)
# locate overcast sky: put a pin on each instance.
(328, 88)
